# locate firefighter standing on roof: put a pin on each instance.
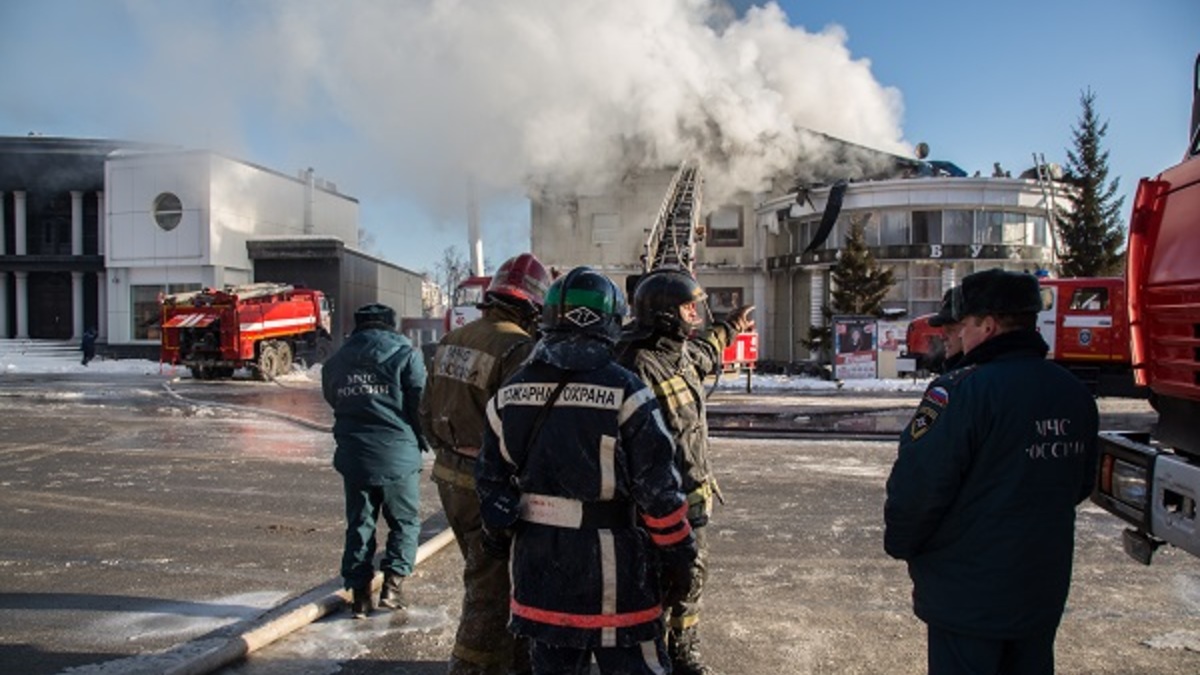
(981, 499)
(374, 385)
(666, 353)
(576, 477)
(468, 368)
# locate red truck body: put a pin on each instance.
(1152, 480)
(260, 326)
(467, 295)
(1084, 321)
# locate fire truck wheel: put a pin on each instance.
(267, 360)
(283, 358)
(324, 349)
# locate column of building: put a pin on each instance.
(77, 326)
(3, 275)
(22, 278)
(102, 277)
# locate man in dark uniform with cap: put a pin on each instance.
(981, 498)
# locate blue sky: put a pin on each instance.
(396, 102)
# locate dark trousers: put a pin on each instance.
(482, 645)
(400, 503)
(956, 654)
(647, 658)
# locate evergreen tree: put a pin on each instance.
(859, 287)
(1092, 233)
(859, 283)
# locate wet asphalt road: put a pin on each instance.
(133, 521)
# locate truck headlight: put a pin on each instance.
(1128, 482)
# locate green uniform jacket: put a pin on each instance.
(981, 498)
(374, 384)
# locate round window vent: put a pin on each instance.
(168, 211)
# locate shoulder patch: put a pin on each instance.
(923, 420)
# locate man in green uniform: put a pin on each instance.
(666, 352)
(468, 368)
(374, 385)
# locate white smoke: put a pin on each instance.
(565, 95)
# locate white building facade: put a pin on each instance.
(180, 220)
(930, 231)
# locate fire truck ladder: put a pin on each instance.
(672, 241)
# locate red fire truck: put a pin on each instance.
(1152, 480)
(1084, 322)
(262, 326)
(467, 295)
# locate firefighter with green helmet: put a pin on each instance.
(468, 368)
(579, 491)
(668, 348)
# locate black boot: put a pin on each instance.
(684, 650)
(392, 595)
(361, 606)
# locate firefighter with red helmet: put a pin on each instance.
(468, 368)
(576, 479)
(668, 350)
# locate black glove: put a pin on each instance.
(675, 573)
(496, 543)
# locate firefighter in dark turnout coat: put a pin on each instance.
(981, 499)
(576, 472)
(666, 354)
(374, 385)
(468, 368)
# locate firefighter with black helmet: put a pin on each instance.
(577, 482)
(668, 349)
(468, 368)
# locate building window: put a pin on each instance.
(722, 300)
(927, 227)
(869, 222)
(1039, 236)
(893, 229)
(605, 227)
(146, 303)
(998, 227)
(725, 227)
(168, 211)
(957, 226)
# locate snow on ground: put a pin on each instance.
(68, 363)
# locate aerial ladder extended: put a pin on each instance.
(671, 244)
(672, 240)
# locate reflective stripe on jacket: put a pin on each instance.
(603, 441)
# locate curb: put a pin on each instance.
(290, 617)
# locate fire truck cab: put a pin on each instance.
(1152, 480)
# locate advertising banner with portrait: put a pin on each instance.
(892, 346)
(854, 341)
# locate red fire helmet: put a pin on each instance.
(522, 277)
